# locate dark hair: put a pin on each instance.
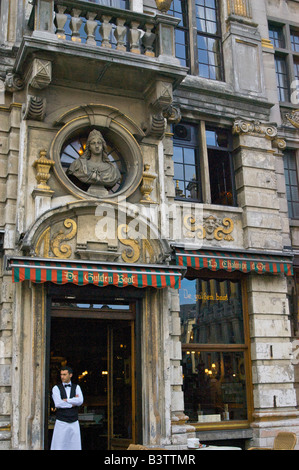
(68, 368)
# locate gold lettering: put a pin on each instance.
(70, 276)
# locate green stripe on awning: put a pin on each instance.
(235, 261)
(100, 274)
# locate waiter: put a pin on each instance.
(67, 398)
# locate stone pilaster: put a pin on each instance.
(256, 181)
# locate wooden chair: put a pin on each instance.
(283, 441)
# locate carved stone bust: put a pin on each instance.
(93, 167)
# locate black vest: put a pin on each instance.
(68, 415)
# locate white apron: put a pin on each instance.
(66, 436)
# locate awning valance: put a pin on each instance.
(99, 274)
(235, 261)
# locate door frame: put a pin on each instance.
(134, 298)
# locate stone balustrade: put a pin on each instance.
(105, 27)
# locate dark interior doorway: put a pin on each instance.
(98, 342)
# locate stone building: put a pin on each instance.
(149, 219)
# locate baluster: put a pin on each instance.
(90, 28)
(134, 36)
(105, 30)
(148, 40)
(61, 19)
(120, 33)
(75, 25)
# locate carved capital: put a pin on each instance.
(293, 118)
(254, 128)
(13, 82)
(279, 143)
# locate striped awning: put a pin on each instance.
(99, 274)
(235, 261)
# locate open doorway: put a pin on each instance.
(98, 342)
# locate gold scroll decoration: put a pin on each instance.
(141, 250)
(211, 228)
(55, 244)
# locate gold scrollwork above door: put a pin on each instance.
(62, 243)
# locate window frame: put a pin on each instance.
(287, 52)
(243, 348)
(194, 33)
(203, 166)
(290, 201)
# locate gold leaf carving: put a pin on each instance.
(221, 231)
(212, 227)
(44, 240)
(131, 254)
(59, 249)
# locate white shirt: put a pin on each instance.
(60, 403)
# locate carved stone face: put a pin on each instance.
(96, 146)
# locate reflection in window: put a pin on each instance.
(204, 37)
(179, 10)
(214, 350)
(291, 179)
(208, 39)
(221, 168)
(285, 39)
(214, 386)
(211, 312)
(282, 78)
(186, 162)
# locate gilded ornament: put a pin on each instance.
(43, 166)
(63, 250)
(211, 228)
(163, 5)
(147, 184)
(132, 253)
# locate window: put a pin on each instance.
(196, 148)
(214, 350)
(221, 171)
(198, 37)
(285, 40)
(186, 162)
(291, 178)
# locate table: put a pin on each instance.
(219, 448)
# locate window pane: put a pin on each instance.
(178, 171)
(214, 386)
(295, 40)
(179, 10)
(203, 304)
(189, 156)
(178, 154)
(282, 78)
(186, 162)
(276, 36)
(291, 179)
(190, 173)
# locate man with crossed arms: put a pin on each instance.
(67, 398)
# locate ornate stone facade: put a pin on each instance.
(99, 69)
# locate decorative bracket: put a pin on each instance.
(38, 78)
